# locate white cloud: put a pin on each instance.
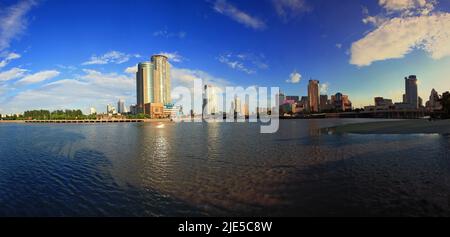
(11, 74)
(400, 35)
(227, 9)
(406, 25)
(234, 64)
(111, 57)
(257, 60)
(3, 90)
(92, 89)
(294, 78)
(67, 67)
(9, 57)
(408, 6)
(39, 77)
(185, 77)
(131, 70)
(166, 34)
(375, 20)
(289, 9)
(244, 62)
(324, 88)
(109, 78)
(338, 46)
(13, 22)
(173, 57)
(398, 8)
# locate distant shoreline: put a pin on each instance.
(63, 121)
(415, 126)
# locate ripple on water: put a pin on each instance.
(219, 169)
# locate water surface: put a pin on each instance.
(219, 169)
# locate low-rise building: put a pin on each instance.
(434, 103)
(341, 102)
(172, 111)
(155, 110)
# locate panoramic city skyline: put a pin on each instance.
(363, 49)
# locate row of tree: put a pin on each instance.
(62, 115)
(138, 116)
(57, 115)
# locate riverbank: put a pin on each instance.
(415, 126)
(89, 121)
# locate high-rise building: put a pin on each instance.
(411, 94)
(313, 95)
(110, 109)
(237, 105)
(324, 102)
(434, 101)
(246, 110)
(144, 85)
(210, 103)
(121, 106)
(341, 102)
(153, 82)
(161, 77)
(133, 109)
(304, 102)
(92, 111)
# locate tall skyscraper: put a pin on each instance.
(153, 82)
(161, 79)
(313, 95)
(411, 95)
(121, 106)
(210, 103)
(110, 109)
(144, 85)
(237, 105)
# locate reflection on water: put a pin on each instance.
(219, 169)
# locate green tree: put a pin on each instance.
(54, 115)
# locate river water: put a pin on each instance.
(220, 169)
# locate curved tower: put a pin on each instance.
(161, 79)
(144, 85)
(153, 82)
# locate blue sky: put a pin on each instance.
(57, 54)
